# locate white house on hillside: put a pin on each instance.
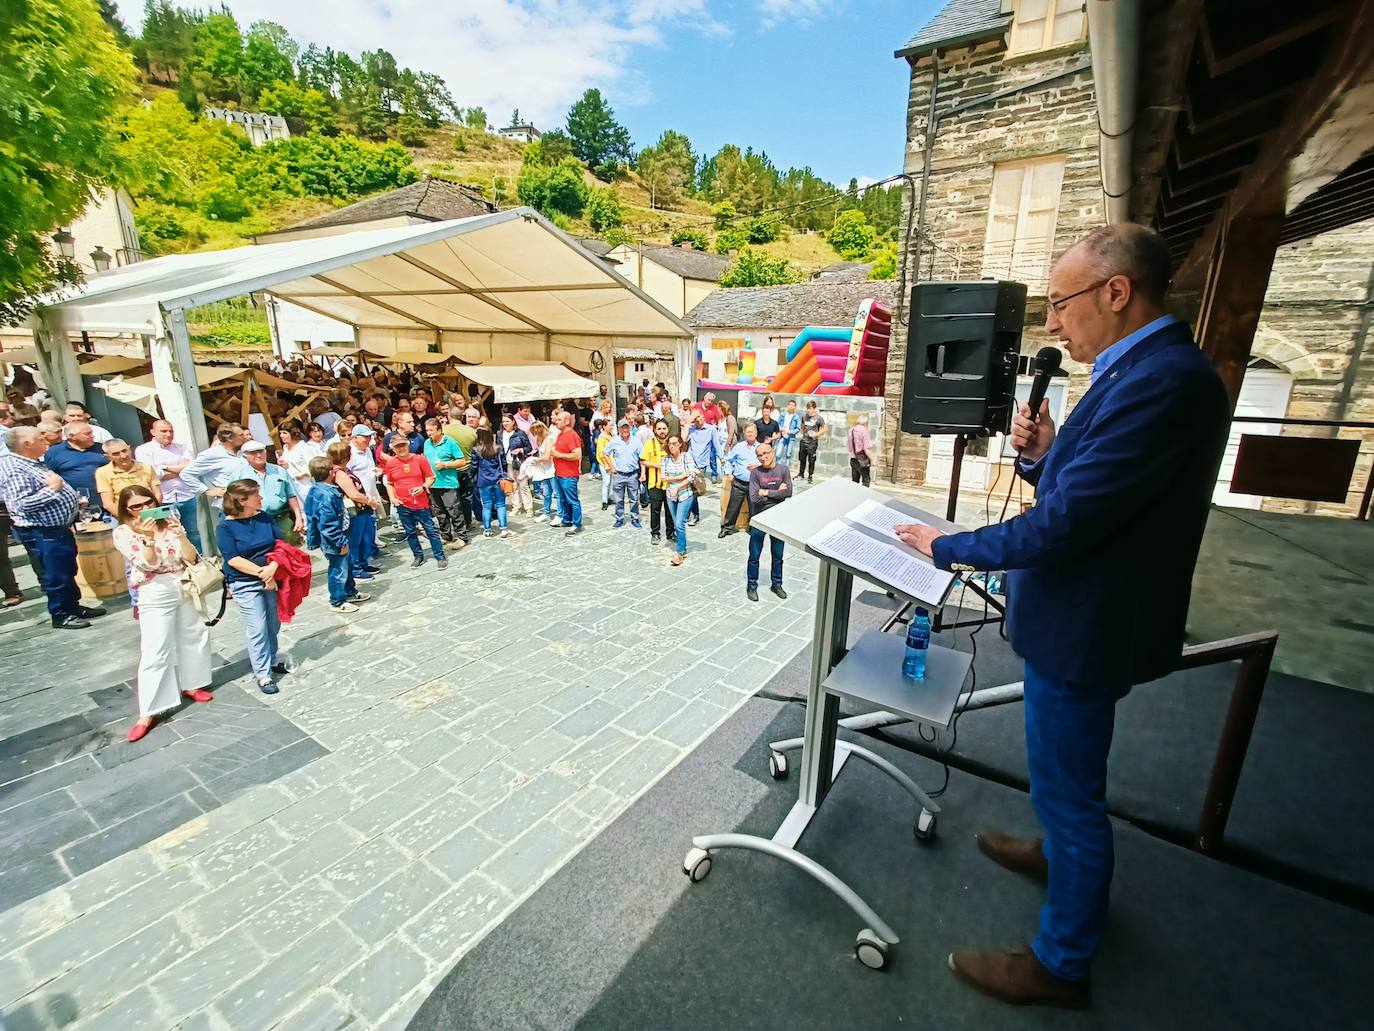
(523, 131)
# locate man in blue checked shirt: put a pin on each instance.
(624, 451)
(741, 460)
(43, 506)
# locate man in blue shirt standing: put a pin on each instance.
(279, 498)
(741, 460)
(75, 460)
(445, 457)
(624, 452)
(791, 426)
(1122, 496)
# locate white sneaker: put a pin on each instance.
(540, 517)
(507, 534)
(358, 596)
(347, 606)
(557, 523)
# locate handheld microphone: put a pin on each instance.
(1046, 364)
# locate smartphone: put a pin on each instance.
(157, 512)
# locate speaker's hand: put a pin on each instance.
(918, 536)
(1032, 438)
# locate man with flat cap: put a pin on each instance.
(1100, 572)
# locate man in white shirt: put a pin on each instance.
(168, 458)
(76, 412)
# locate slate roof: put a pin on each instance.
(787, 307)
(691, 264)
(435, 200)
(598, 247)
(845, 272)
(959, 21)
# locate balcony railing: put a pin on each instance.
(1021, 262)
(128, 256)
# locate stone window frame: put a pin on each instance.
(1054, 10)
(1038, 283)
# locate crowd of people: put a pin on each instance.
(371, 461)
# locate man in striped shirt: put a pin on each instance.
(42, 506)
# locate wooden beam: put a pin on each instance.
(1219, 62)
(477, 294)
(373, 300)
(1237, 278)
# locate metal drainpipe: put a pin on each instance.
(932, 126)
(1114, 40)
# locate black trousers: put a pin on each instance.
(808, 457)
(8, 587)
(858, 471)
(658, 506)
(739, 498)
(469, 502)
(447, 512)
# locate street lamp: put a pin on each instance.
(100, 258)
(66, 243)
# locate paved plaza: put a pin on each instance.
(321, 858)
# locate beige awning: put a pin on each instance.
(405, 357)
(539, 381)
(141, 393)
(19, 356)
(111, 364)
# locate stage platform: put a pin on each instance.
(620, 939)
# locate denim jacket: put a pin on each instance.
(326, 519)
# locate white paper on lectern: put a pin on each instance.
(912, 576)
(881, 518)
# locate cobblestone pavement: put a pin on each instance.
(455, 742)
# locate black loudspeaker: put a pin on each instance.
(963, 342)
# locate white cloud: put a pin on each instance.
(535, 55)
(774, 12)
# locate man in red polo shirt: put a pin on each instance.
(408, 479)
(567, 467)
(710, 411)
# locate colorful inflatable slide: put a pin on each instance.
(830, 359)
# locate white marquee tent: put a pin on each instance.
(506, 288)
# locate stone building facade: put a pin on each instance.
(1014, 100)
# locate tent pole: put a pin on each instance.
(57, 362)
(174, 373)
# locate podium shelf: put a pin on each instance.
(871, 674)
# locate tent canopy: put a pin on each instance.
(19, 356)
(141, 391)
(535, 381)
(111, 364)
(505, 272)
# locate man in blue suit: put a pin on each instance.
(1100, 572)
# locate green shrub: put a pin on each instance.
(852, 237)
(762, 230)
(559, 188)
(723, 213)
(695, 237)
(750, 268)
(731, 239)
(603, 211)
(885, 263)
(616, 235)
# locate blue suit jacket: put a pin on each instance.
(1103, 564)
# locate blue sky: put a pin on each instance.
(811, 82)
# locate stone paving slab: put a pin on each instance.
(481, 725)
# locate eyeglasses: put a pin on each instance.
(1058, 305)
(137, 506)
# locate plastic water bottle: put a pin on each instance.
(917, 644)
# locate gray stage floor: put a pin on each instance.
(620, 939)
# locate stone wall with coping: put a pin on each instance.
(838, 411)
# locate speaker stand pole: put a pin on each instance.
(960, 442)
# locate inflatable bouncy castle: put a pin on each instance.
(829, 359)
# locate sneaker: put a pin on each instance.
(556, 522)
(672, 537)
(70, 623)
(442, 563)
(808, 479)
(415, 563)
(89, 612)
(281, 669)
(507, 534)
(752, 594)
(777, 589)
(693, 520)
(372, 569)
(346, 606)
(364, 577)
(12, 600)
(573, 531)
(358, 596)
(655, 538)
(540, 517)
(637, 525)
(618, 525)
(267, 687)
(604, 506)
(486, 533)
(458, 544)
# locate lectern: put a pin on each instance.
(870, 673)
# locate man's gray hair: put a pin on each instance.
(113, 444)
(1131, 250)
(17, 436)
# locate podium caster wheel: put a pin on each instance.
(924, 828)
(697, 865)
(777, 766)
(870, 950)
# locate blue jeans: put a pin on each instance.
(606, 487)
(188, 512)
(55, 548)
(570, 501)
(1068, 736)
(715, 469)
(625, 487)
(680, 509)
(340, 579)
(259, 611)
(785, 450)
(546, 490)
(412, 521)
(493, 497)
(362, 537)
(755, 551)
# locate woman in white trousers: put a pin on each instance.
(174, 658)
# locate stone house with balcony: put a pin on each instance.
(1002, 151)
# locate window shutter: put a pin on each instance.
(1021, 221)
(1068, 23)
(1028, 28)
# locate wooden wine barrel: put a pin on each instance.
(742, 520)
(99, 566)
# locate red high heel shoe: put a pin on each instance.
(137, 731)
(199, 695)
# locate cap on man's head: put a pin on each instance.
(362, 431)
(254, 445)
(624, 422)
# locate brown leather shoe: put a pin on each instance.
(1020, 979)
(1020, 855)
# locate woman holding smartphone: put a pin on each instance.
(174, 652)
